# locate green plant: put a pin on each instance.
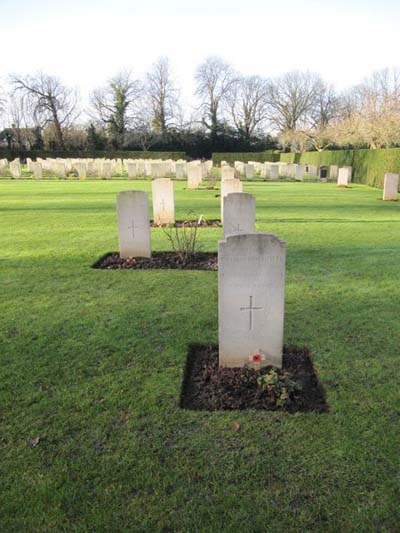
(184, 238)
(279, 386)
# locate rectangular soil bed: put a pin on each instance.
(208, 387)
(158, 260)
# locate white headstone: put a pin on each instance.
(249, 171)
(239, 213)
(163, 201)
(391, 187)
(133, 224)
(299, 172)
(194, 175)
(37, 170)
(132, 170)
(15, 168)
(82, 170)
(251, 294)
(344, 176)
(106, 170)
(228, 186)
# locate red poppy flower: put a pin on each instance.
(256, 358)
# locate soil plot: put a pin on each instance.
(159, 260)
(210, 388)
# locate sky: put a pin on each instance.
(85, 43)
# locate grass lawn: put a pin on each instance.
(91, 363)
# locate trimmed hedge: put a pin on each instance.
(33, 154)
(231, 157)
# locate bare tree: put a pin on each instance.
(248, 99)
(52, 102)
(163, 95)
(291, 100)
(117, 104)
(214, 79)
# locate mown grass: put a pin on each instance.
(91, 362)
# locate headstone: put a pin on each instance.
(227, 173)
(163, 201)
(106, 170)
(274, 172)
(15, 168)
(391, 187)
(251, 293)
(59, 169)
(180, 171)
(133, 224)
(239, 214)
(82, 170)
(194, 175)
(299, 172)
(132, 170)
(228, 186)
(344, 176)
(249, 171)
(37, 170)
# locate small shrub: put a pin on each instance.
(184, 239)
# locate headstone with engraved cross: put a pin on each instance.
(251, 289)
(239, 213)
(163, 201)
(133, 224)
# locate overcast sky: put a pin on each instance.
(84, 42)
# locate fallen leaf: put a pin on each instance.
(235, 426)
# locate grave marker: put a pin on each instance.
(133, 224)
(251, 291)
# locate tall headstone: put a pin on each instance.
(133, 224)
(228, 186)
(239, 214)
(37, 170)
(344, 176)
(163, 201)
(251, 294)
(391, 187)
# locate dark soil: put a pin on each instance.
(190, 224)
(210, 388)
(170, 260)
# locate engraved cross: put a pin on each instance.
(132, 227)
(251, 309)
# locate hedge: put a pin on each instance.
(231, 157)
(33, 154)
(369, 166)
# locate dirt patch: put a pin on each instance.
(190, 224)
(210, 388)
(158, 260)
